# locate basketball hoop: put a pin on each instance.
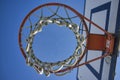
(83, 40)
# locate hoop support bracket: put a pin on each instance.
(100, 42)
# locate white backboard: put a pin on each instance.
(106, 14)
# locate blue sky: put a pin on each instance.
(13, 66)
(12, 63)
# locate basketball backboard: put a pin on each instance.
(106, 14)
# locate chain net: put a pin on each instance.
(60, 16)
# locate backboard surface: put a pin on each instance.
(105, 13)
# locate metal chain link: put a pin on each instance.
(45, 67)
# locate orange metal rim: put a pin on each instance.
(51, 4)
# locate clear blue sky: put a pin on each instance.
(12, 63)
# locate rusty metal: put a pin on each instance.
(84, 19)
